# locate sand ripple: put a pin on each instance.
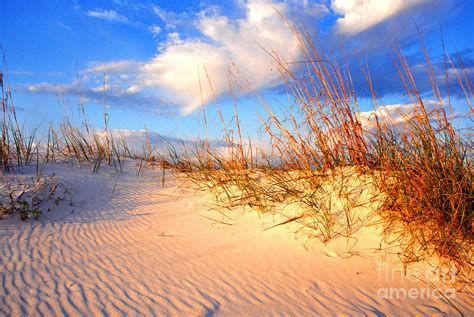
(144, 250)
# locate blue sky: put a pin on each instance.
(152, 55)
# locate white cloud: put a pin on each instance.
(109, 15)
(42, 87)
(136, 139)
(391, 114)
(188, 72)
(398, 114)
(171, 19)
(182, 69)
(133, 89)
(225, 45)
(117, 94)
(174, 38)
(360, 15)
(154, 29)
(120, 67)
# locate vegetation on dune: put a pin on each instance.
(418, 172)
(85, 145)
(421, 168)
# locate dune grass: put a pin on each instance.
(420, 169)
(418, 172)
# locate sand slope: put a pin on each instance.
(146, 250)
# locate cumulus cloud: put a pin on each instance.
(398, 114)
(108, 15)
(194, 68)
(204, 53)
(359, 15)
(393, 114)
(192, 71)
(235, 48)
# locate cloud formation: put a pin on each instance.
(360, 15)
(137, 139)
(154, 29)
(205, 55)
(116, 94)
(227, 48)
(193, 71)
(108, 15)
(400, 114)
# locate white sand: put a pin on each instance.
(144, 250)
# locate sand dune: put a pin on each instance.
(140, 249)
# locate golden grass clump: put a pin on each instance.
(419, 171)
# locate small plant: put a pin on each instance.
(30, 197)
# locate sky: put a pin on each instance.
(159, 64)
